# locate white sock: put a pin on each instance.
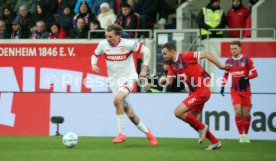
(142, 127)
(121, 123)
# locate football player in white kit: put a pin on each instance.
(122, 75)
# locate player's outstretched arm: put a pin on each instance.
(146, 58)
(94, 61)
(214, 60)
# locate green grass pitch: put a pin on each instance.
(15, 148)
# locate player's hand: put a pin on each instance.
(222, 91)
(96, 69)
(226, 67)
(143, 73)
(163, 80)
(243, 82)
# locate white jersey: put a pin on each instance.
(119, 58)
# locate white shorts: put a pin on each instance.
(126, 86)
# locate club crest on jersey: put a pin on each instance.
(242, 64)
(122, 49)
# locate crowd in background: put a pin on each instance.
(213, 17)
(76, 19)
(61, 19)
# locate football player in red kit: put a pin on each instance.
(185, 65)
(241, 71)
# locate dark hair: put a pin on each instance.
(252, 2)
(240, 1)
(236, 43)
(125, 5)
(55, 24)
(169, 46)
(213, 1)
(80, 18)
(15, 22)
(116, 28)
(96, 22)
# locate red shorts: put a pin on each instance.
(196, 100)
(241, 98)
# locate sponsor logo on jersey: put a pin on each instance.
(117, 57)
(237, 73)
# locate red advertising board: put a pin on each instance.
(25, 100)
(72, 57)
(252, 49)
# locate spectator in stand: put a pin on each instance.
(24, 17)
(17, 32)
(97, 3)
(40, 32)
(31, 4)
(8, 16)
(147, 10)
(78, 4)
(211, 17)
(131, 3)
(127, 19)
(248, 23)
(4, 34)
(65, 18)
(85, 13)
(80, 31)
(56, 33)
(68, 3)
(96, 25)
(236, 18)
(168, 7)
(51, 5)
(42, 14)
(107, 16)
(6, 3)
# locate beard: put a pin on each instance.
(215, 7)
(236, 7)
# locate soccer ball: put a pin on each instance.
(70, 140)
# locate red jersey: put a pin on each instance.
(187, 68)
(241, 67)
(237, 19)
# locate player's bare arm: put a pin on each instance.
(143, 72)
(214, 60)
(95, 67)
(146, 58)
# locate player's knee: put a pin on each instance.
(238, 113)
(177, 113)
(247, 114)
(117, 101)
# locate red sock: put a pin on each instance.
(246, 124)
(194, 122)
(239, 124)
(211, 137)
